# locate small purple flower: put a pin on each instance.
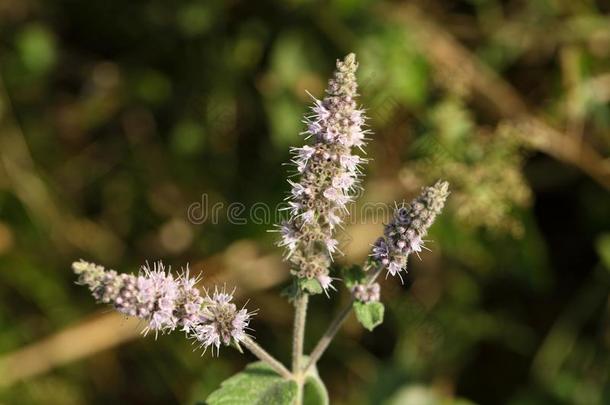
(302, 156)
(326, 283)
(344, 181)
(290, 237)
(381, 251)
(240, 324)
(395, 266)
(164, 296)
(332, 245)
(189, 302)
(350, 162)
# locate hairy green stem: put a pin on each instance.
(264, 356)
(298, 336)
(300, 314)
(334, 326)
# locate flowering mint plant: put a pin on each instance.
(328, 174)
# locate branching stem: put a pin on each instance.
(334, 326)
(264, 356)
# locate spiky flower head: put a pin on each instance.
(327, 176)
(405, 232)
(221, 322)
(166, 303)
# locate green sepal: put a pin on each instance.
(310, 286)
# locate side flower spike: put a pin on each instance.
(166, 302)
(409, 225)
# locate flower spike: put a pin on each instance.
(166, 303)
(328, 177)
(404, 234)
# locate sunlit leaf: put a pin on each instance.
(258, 384)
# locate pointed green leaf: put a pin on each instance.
(369, 314)
(258, 384)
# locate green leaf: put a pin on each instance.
(314, 390)
(257, 384)
(353, 275)
(311, 286)
(369, 314)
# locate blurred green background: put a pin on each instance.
(117, 116)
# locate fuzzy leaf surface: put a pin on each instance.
(258, 384)
(314, 390)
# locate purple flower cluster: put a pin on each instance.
(221, 321)
(403, 235)
(167, 303)
(328, 176)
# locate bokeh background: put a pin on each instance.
(117, 116)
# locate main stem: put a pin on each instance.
(264, 356)
(300, 314)
(298, 336)
(334, 326)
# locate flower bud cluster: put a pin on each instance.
(166, 303)
(328, 176)
(403, 235)
(367, 293)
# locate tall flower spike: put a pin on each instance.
(328, 177)
(166, 303)
(404, 234)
